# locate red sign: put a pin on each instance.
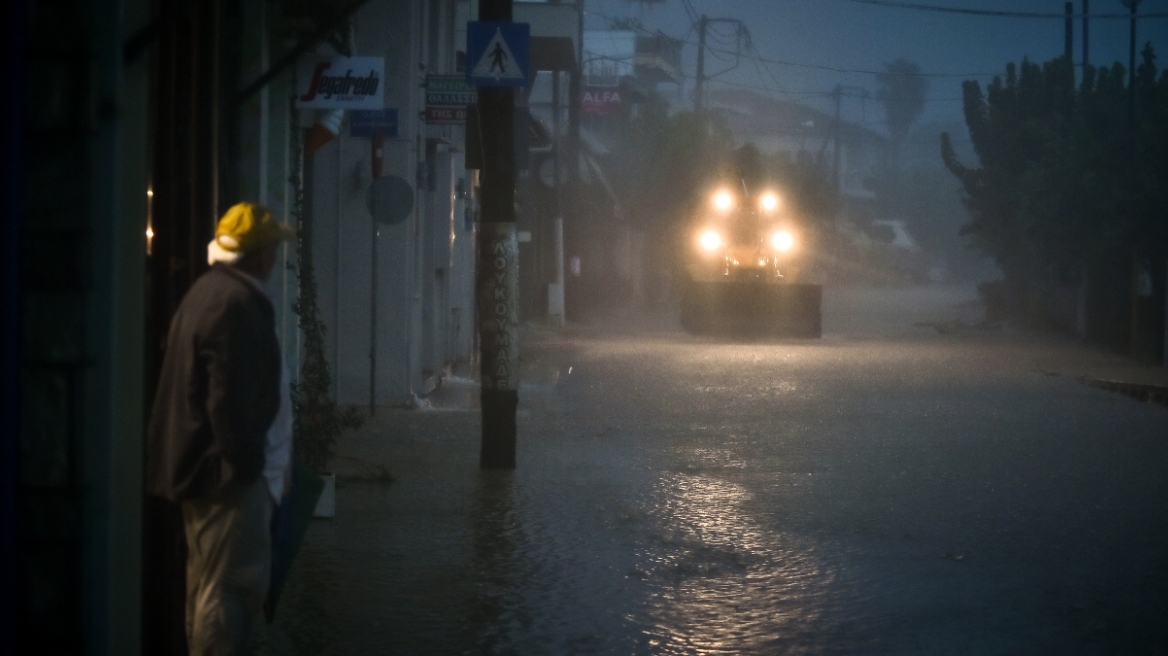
(601, 101)
(445, 114)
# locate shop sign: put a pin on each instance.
(447, 90)
(447, 97)
(340, 82)
(600, 101)
(364, 123)
(449, 115)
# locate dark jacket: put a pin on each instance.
(218, 392)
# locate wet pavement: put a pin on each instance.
(913, 483)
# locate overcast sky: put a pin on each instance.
(856, 36)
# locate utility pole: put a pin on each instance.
(1131, 72)
(498, 268)
(741, 35)
(837, 94)
(570, 161)
(1069, 31)
(556, 289)
(701, 76)
(378, 163)
(1134, 345)
(1086, 41)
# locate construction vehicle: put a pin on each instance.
(744, 255)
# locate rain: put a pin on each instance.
(678, 327)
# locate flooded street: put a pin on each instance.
(911, 483)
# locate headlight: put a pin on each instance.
(783, 240)
(723, 200)
(769, 202)
(710, 240)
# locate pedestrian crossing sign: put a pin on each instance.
(498, 53)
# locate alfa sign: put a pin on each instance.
(600, 101)
(340, 82)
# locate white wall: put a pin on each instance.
(424, 264)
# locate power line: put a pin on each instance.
(826, 94)
(778, 88)
(759, 68)
(626, 60)
(837, 69)
(997, 13)
(872, 125)
(823, 67)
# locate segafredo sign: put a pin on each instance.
(340, 83)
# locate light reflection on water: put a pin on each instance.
(723, 583)
(498, 545)
(577, 552)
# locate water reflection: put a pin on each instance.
(725, 584)
(498, 543)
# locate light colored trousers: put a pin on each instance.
(229, 567)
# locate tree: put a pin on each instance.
(901, 89)
(1066, 180)
(663, 160)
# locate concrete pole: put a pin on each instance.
(574, 150)
(497, 288)
(701, 76)
(1131, 73)
(837, 94)
(1069, 31)
(556, 289)
(1086, 41)
(1131, 121)
(377, 162)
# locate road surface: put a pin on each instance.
(913, 483)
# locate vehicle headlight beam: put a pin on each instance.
(783, 241)
(710, 240)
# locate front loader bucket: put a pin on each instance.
(752, 307)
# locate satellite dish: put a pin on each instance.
(390, 200)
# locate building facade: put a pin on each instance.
(138, 124)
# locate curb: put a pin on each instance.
(1138, 391)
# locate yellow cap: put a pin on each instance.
(246, 227)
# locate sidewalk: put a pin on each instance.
(416, 520)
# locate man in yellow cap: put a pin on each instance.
(210, 444)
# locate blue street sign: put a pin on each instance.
(498, 53)
(363, 123)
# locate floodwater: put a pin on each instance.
(911, 484)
